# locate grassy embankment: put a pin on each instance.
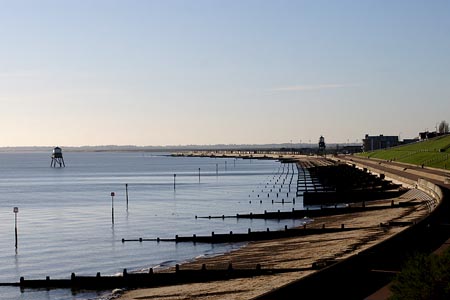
(431, 153)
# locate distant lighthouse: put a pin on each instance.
(57, 158)
(322, 145)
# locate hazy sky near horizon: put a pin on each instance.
(168, 72)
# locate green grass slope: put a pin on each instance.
(431, 153)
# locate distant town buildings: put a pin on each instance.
(409, 141)
(425, 135)
(371, 143)
(350, 149)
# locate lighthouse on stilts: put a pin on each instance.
(57, 158)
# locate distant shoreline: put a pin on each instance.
(169, 148)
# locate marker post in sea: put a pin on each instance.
(15, 211)
(126, 193)
(174, 184)
(112, 207)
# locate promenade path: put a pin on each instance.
(300, 253)
(408, 171)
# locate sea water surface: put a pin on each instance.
(65, 214)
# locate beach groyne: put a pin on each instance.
(152, 279)
(232, 237)
(331, 197)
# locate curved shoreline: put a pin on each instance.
(291, 252)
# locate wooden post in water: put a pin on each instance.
(126, 193)
(15, 211)
(174, 184)
(198, 174)
(112, 207)
(217, 169)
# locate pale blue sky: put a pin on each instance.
(204, 72)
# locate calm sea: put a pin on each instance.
(65, 214)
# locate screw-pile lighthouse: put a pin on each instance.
(57, 158)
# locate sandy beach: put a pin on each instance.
(293, 253)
